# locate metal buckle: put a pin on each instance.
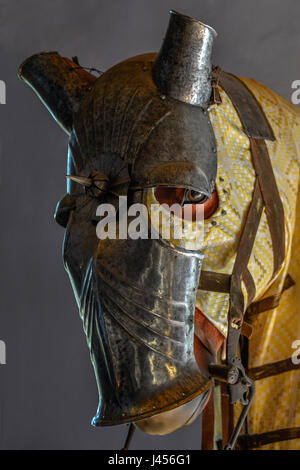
(241, 388)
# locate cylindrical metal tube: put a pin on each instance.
(183, 68)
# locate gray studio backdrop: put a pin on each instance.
(47, 388)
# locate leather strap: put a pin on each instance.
(273, 203)
(216, 282)
(271, 302)
(208, 422)
(272, 368)
(250, 285)
(215, 96)
(227, 414)
(253, 441)
(236, 310)
(252, 117)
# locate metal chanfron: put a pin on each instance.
(148, 303)
(164, 142)
(137, 302)
(136, 297)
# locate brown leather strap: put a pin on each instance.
(253, 441)
(272, 200)
(271, 302)
(215, 96)
(247, 330)
(252, 117)
(216, 282)
(227, 414)
(208, 422)
(288, 282)
(250, 285)
(272, 368)
(220, 282)
(245, 247)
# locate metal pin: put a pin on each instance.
(80, 179)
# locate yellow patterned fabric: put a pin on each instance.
(235, 184)
(222, 230)
(277, 401)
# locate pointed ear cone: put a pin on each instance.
(183, 69)
(83, 180)
(59, 83)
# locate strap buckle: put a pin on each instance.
(240, 387)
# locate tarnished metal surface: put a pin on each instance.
(172, 420)
(136, 297)
(165, 142)
(59, 83)
(137, 302)
(183, 68)
(146, 125)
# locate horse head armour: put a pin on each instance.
(142, 130)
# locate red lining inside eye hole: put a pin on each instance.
(175, 196)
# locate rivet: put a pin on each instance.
(213, 222)
(223, 212)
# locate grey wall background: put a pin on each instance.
(47, 388)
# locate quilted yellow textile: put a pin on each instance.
(235, 184)
(277, 401)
